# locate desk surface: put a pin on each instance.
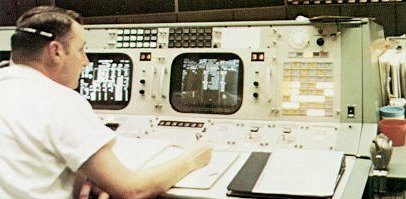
(351, 185)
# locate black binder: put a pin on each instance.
(245, 180)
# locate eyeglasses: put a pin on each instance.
(48, 35)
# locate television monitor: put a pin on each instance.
(106, 81)
(206, 83)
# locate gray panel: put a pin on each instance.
(200, 16)
(384, 13)
(401, 16)
(148, 18)
(268, 13)
(312, 10)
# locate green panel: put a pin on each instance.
(351, 71)
(372, 97)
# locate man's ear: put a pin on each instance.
(56, 51)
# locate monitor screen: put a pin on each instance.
(4, 58)
(106, 81)
(4, 55)
(210, 83)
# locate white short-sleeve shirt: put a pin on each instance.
(47, 131)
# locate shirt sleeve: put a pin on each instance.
(79, 133)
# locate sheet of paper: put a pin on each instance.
(300, 173)
(134, 152)
(203, 178)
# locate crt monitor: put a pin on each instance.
(207, 83)
(106, 81)
(4, 55)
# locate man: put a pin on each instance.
(49, 133)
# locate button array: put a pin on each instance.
(137, 38)
(190, 37)
(181, 124)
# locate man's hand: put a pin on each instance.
(90, 191)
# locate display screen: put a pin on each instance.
(106, 81)
(4, 55)
(210, 83)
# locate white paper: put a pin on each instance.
(300, 173)
(203, 178)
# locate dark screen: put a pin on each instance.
(106, 81)
(206, 83)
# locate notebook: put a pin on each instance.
(289, 173)
(203, 178)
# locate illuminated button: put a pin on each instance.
(126, 38)
(147, 38)
(120, 31)
(152, 44)
(140, 31)
(132, 44)
(126, 44)
(153, 38)
(133, 38)
(127, 31)
(147, 31)
(140, 38)
(186, 30)
(119, 45)
(154, 31)
(120, 38)
(146, 44)
(133, 31)
(139, 45)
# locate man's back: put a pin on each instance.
(44, 128)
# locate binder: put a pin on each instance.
(289, 173)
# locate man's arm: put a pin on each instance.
(108, 173)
